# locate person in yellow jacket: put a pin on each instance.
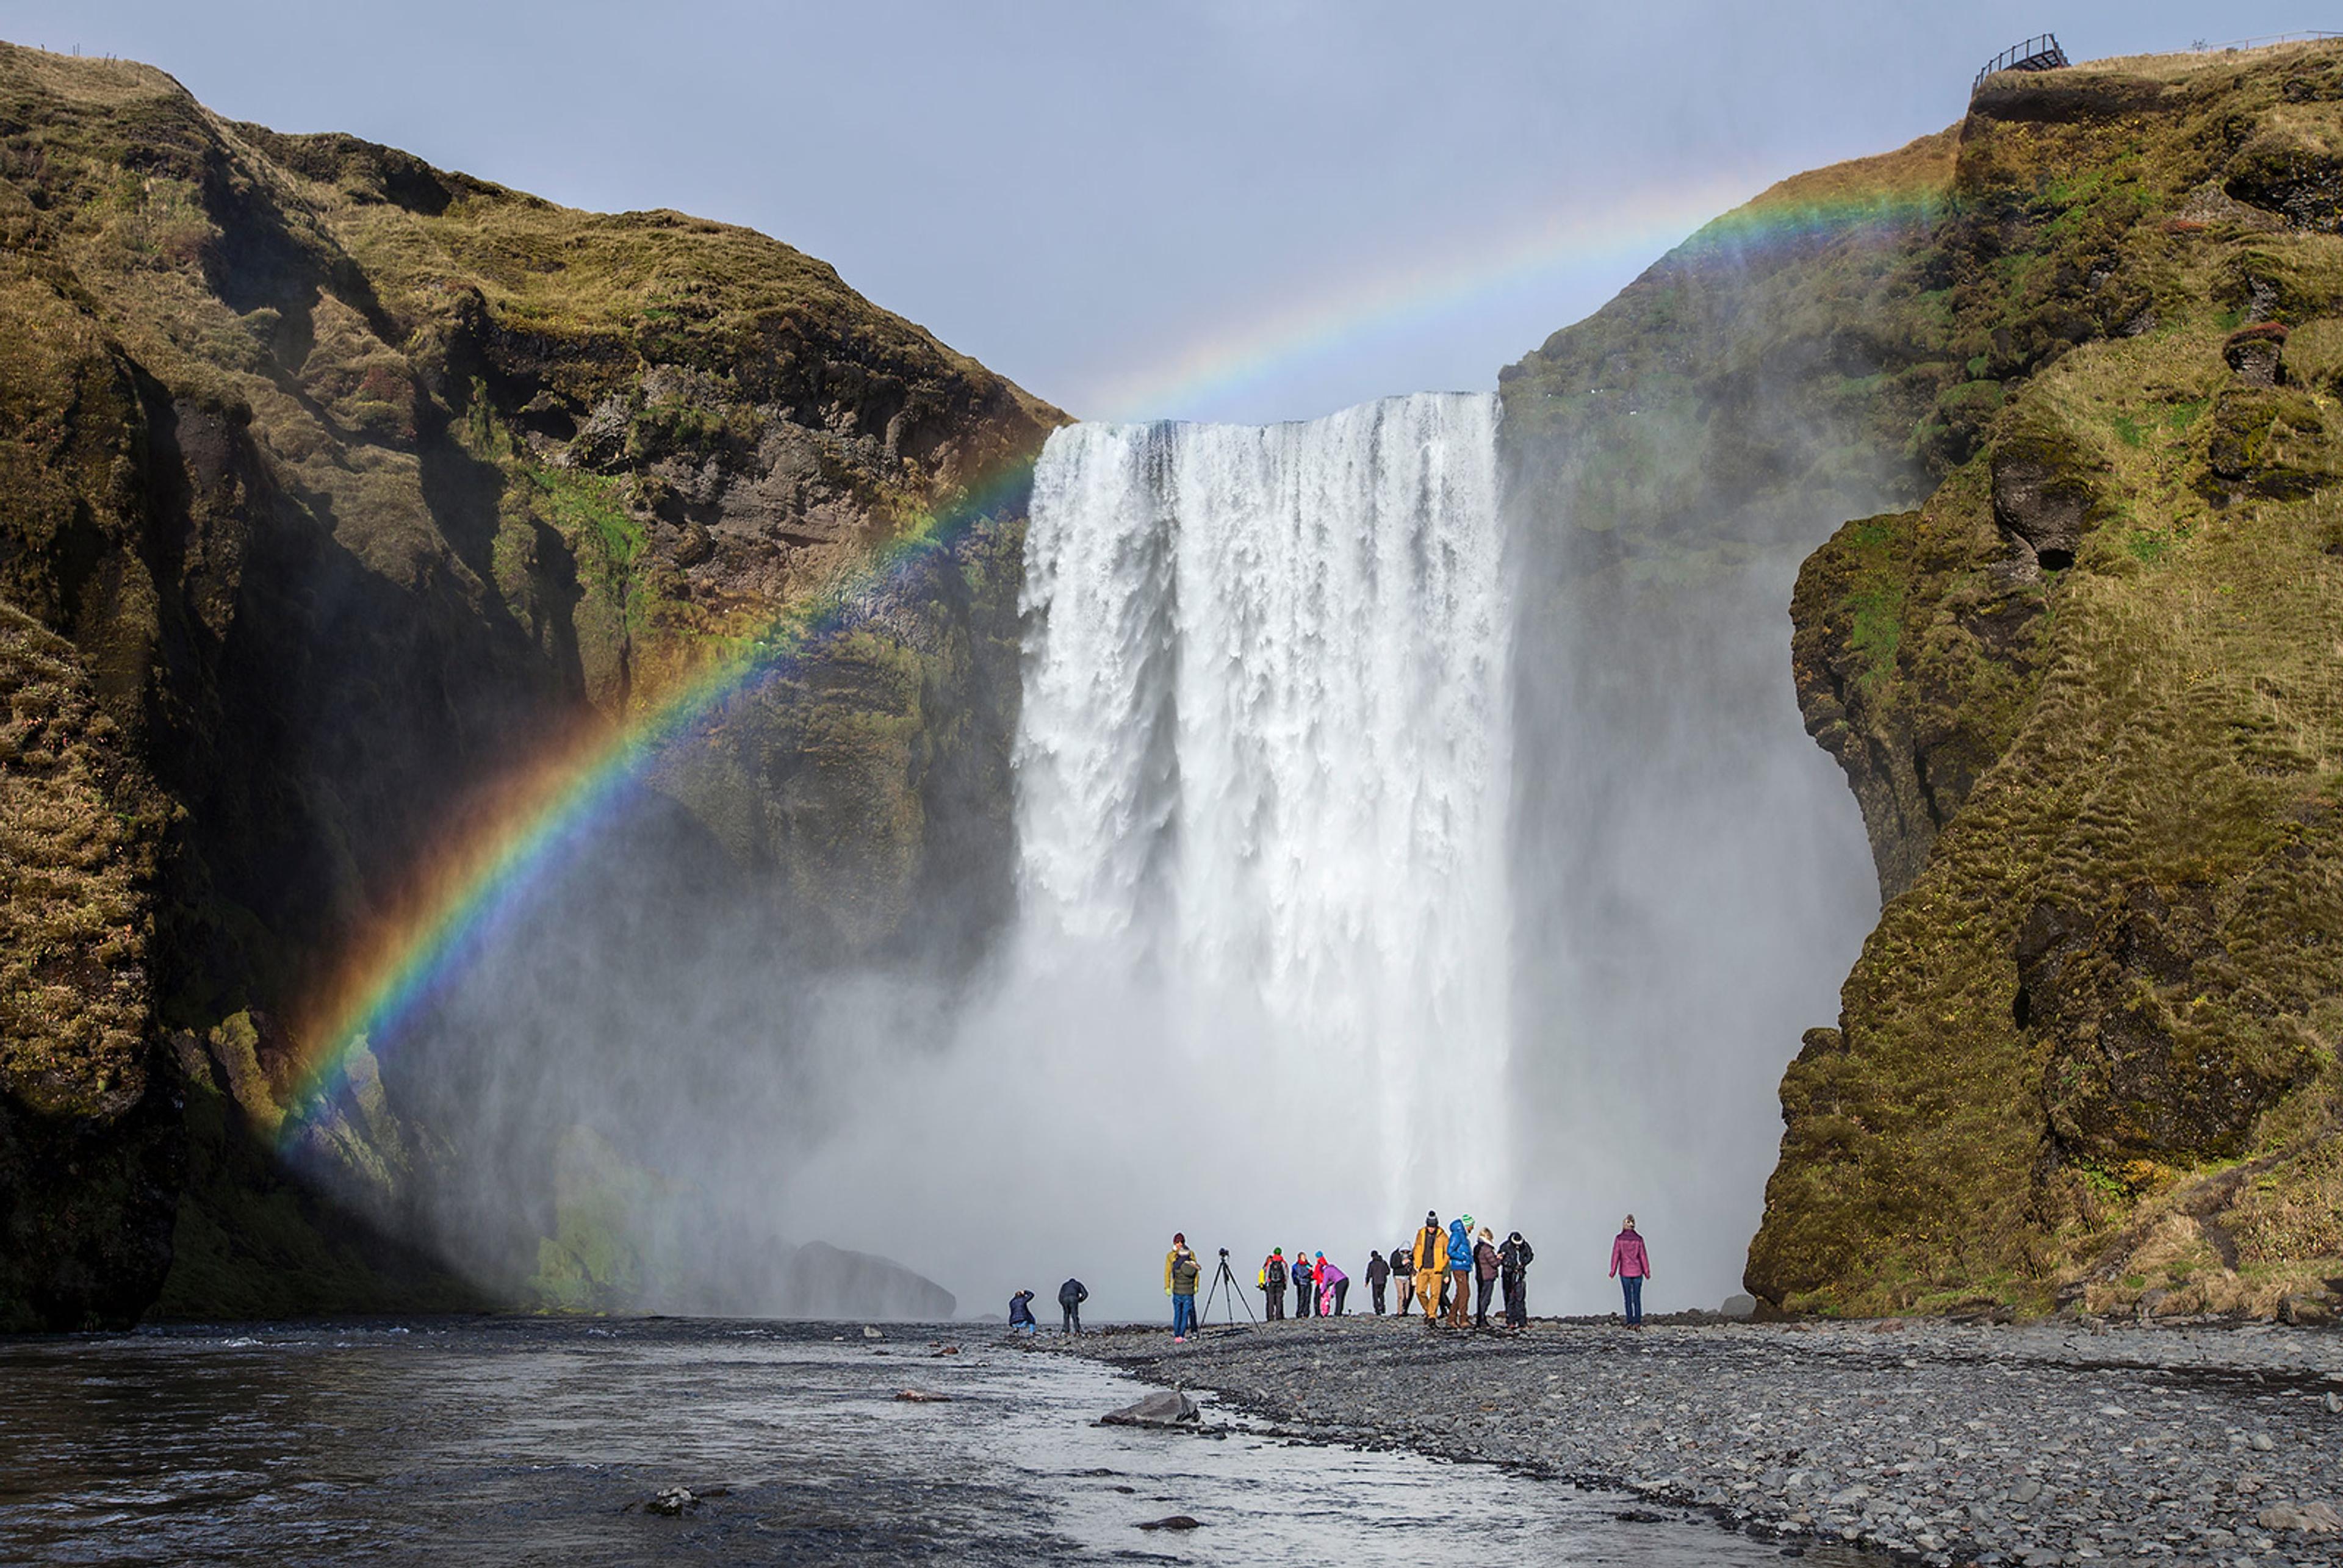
(1178, 1245)
(1431, 1266)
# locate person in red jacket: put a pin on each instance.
(1631, 1265)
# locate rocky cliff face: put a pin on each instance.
(337, 484)
(2088, 694)
(2073, 367)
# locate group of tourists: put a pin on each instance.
(1451, 1273)
(1321, 1289)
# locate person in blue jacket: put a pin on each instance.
(1020, 1313)
(1460, 1269)
(1305, 1300)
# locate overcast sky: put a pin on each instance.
(1258, 209)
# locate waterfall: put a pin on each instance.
(1262, 768)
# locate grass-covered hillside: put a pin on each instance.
(2073, 365)
(2090, 695)
(332, 487)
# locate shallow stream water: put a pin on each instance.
(527, 1442)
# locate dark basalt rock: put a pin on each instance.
(2129, 1076)
(1163, 1408)
(86, 1211)
(2258, 353)
(2042, 493)
(2282, 173)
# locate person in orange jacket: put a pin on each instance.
(1431, 1266)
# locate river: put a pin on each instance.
(538, 1441)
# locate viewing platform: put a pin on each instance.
(2040, 53)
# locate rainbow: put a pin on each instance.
(1609, 241)
(550, 811)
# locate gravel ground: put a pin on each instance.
(2061, 1443)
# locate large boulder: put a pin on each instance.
(1168, 1407)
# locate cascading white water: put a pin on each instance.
(1263, 768)
(1258, 987)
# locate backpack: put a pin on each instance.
(1273, 1273)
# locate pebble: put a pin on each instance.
(2061, 1444)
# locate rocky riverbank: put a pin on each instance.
(2062, 1442)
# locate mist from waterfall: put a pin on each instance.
(1258, 990)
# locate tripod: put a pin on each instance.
(1235, 1294)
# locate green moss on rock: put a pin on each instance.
(2088, 1055)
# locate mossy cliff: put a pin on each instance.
(337, 487)
(2090, 696)
(2082, 670)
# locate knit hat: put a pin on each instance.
(1468, 1221)
(1277, 1252)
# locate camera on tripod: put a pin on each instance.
(1222, 1279)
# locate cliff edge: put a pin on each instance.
(338, 485)
(2089, 694)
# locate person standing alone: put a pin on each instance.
(1378, 1275)
(1514, 1259)
(1186, 1273)
(1631, 1265)
(1431, 1266)
(1070, 1297)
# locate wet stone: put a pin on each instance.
(2069, 1441)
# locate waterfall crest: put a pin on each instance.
(1263, 768)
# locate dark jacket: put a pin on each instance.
(1515, 1256)
(1378, 1271)
(1484, 1261)
(1020, 1308)
(1274, 1272)
(1302, 1272)
(1072, 1293)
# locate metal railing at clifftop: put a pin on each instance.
(2040, 53)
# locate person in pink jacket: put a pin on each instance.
(1631, 1265)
